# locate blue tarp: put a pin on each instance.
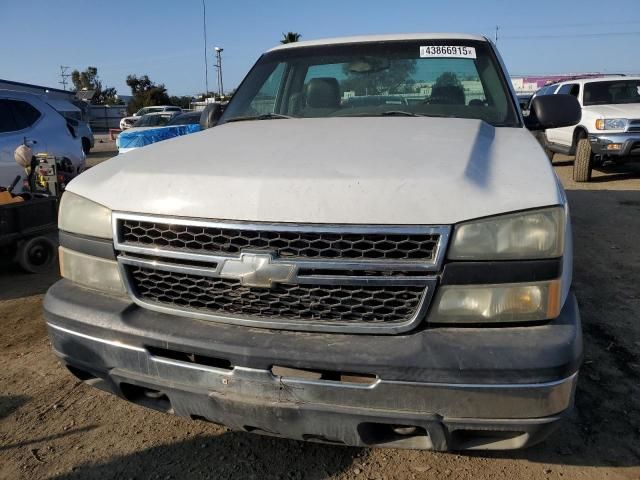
(140, 138)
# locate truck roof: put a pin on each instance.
(381, 38)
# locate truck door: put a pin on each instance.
(564, 136)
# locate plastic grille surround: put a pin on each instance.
(285, 244)
(340, 303)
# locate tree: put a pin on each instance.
(86, 80)
(108, 96)
(145, 93)
(183, 102)
(290, 37)
(447, 79)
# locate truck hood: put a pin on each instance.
(373, 170)
(626, 110)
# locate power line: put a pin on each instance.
(570, 35)
(570, 25)
(64, 75)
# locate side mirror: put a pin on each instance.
(210, 115)
(553, 111)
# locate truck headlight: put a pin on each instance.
(81, 216)
(500, 303)
(91, 272)
(612, 124)
(525, 235)
(84, 217)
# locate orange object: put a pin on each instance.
(6, 198)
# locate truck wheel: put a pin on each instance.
(583, 163)
(86, 145)
(37, 254)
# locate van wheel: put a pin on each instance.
(583, 163)
(37, 254)
(86, 145)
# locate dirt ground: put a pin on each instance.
(52, 426)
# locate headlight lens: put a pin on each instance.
(526, 235)
(611, 124)
(503, 303)
(82, 216)
(92, 272)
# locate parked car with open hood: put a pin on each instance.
(367, 274)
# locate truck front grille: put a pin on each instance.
(339, 278)
(285, 244)
(345, 304)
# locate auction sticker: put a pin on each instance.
(447, 51)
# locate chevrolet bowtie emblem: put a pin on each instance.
(257, 270)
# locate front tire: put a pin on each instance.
(86, 146)
(583, 164)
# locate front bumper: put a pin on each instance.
(446, 388)
(627, 144)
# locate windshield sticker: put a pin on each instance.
(447, 51)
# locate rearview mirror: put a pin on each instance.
(210, 115)
(553, 111)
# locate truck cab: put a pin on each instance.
(389, 271)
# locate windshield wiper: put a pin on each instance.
(399, 113)
(264, 116)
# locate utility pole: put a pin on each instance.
(497, 30)
(64, 75)
(206, 62)
(219, 68)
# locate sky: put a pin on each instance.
(164, 38)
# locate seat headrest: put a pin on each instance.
(323, 93)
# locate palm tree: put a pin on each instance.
(290, 37)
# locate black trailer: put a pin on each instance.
(29, 233)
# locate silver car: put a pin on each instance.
(26, 118)
(84, 132)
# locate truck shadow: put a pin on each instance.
(16, 283)
(230, 455)
(10, 403)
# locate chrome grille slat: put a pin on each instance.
(339, 278)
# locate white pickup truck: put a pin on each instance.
(609, 129)
(378, 272)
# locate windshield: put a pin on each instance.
(153, 120)
(612, 92)
(449, 78)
